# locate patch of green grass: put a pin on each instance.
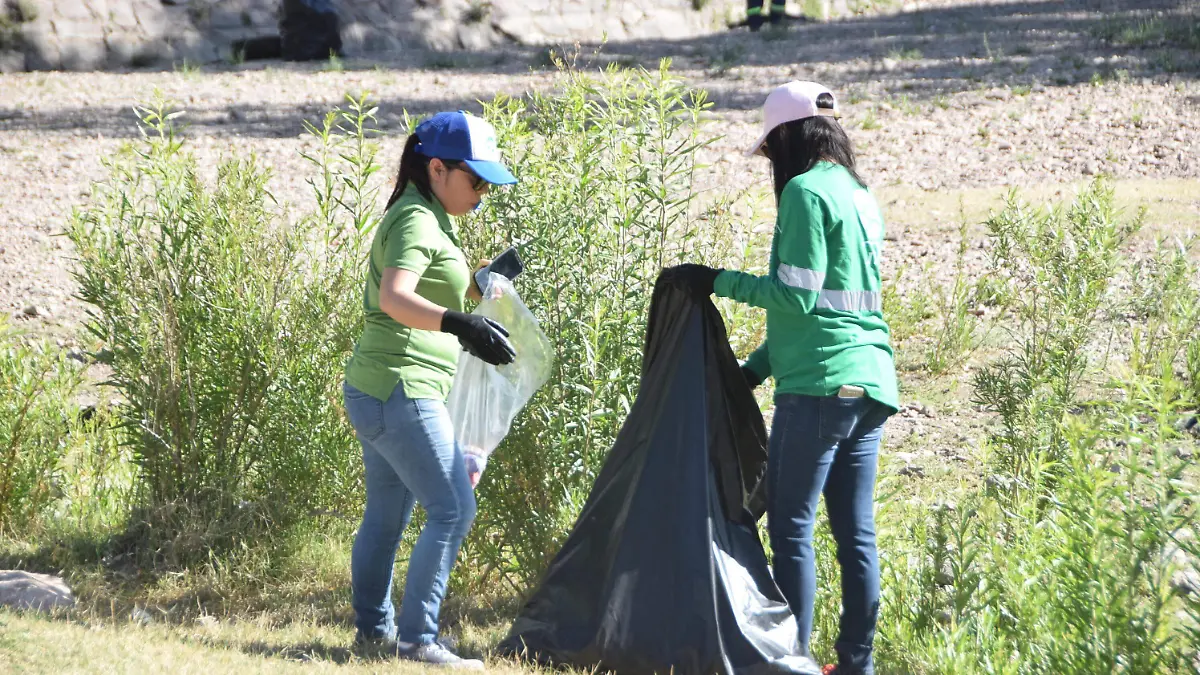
(907, 106)
(1169, 62)
(988, 52)
(335, 64)
(869, 121)
(38, 645)
(1177, 31)
(813, 9)
(727, 57)
(902, 54)
(941, 102)
(187, 67)
(1022, 90)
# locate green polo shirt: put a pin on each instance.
(415, 235)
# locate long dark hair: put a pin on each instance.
(414, 168)
(795, 147)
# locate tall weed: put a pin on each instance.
(1072, 574)
(958, 332)
(36, 414)
(608, 197)
(1163, 307)
(227, 325)
(1062, 263)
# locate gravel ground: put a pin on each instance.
(941, 98)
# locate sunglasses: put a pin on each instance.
(477, 184)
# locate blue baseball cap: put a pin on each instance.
(464, 137)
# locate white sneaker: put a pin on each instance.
(435, 654)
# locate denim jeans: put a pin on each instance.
(827, 445)
(410, 456)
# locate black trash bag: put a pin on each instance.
(309, 30)
(664, 570)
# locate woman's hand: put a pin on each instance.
(482, 337)
(751, 377)
(474, 292)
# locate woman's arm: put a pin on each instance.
(398, 299)
(800, 277)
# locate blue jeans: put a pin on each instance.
(827, 445)
(410, 456)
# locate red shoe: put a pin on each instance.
(829, 669)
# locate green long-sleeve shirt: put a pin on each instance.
(822, 293)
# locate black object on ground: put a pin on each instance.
(774, 20)
(663, 571)
(259, 48)
(309, 30)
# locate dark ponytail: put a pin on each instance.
(795, 147)
(414, 168)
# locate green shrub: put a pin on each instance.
(1131, 31)
(957, 333)
(1164, 304)
(227, 325)
(97, 479)
(36, 414)
(607, 198)
(1071, 574)
(1062, 263)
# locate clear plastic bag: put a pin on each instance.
(485, 399)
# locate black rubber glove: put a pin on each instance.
(695, 279)
(480, 336)
(752, 378)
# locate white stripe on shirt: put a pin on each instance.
(850, 301)
(799, 277)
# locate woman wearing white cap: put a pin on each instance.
(828, 349)
(400, 374)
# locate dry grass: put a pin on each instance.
(37, 644)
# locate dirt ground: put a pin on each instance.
(950, 104)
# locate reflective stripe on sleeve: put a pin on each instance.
(802, 278)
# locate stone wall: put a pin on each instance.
(111, 34)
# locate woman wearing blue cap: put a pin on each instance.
(399, 377)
